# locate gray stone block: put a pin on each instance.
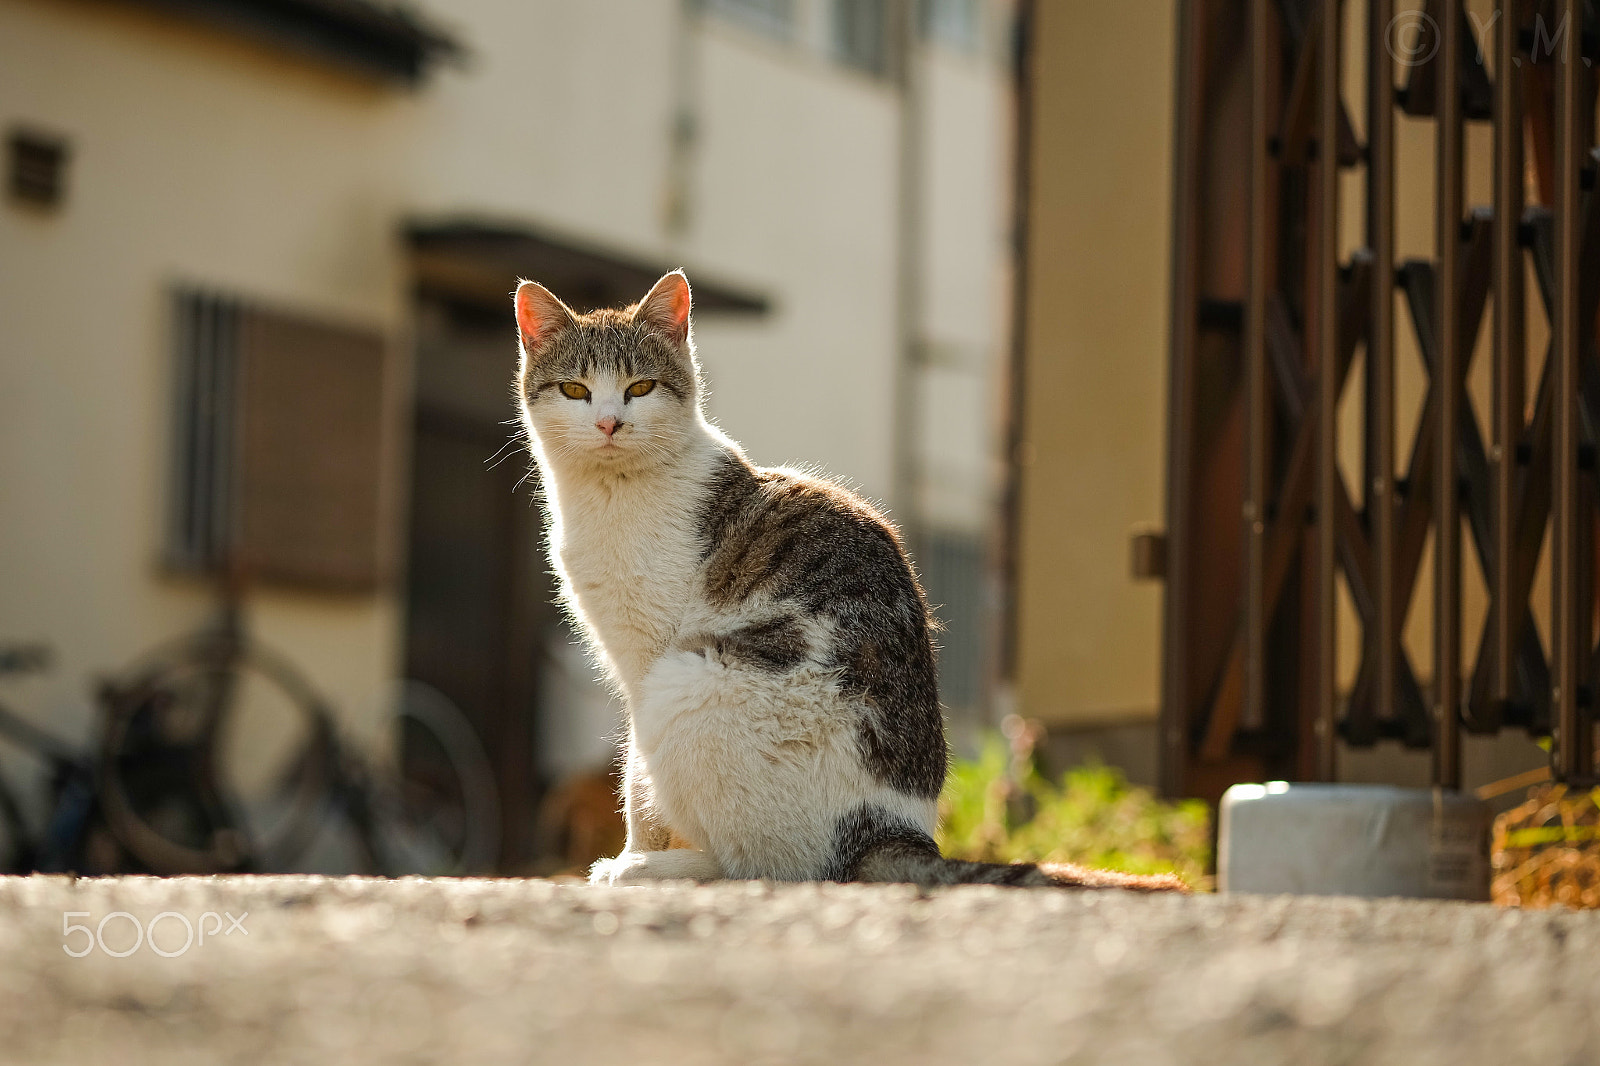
(1353, 840)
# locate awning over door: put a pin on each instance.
(480, 261)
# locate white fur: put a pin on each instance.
(751, 768)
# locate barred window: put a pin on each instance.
(772, 17)
(956, 24)
(278, 445)
(861, 35)
(36, 166)
(951, 566)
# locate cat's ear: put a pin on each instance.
(540, 316)
(666, 308)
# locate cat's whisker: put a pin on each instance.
(504, 452)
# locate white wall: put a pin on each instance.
(965, 298)
(812, 384)
(560, 115)
(564, 116)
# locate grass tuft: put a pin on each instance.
(1000, 808)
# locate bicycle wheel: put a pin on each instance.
(18, 849)
(436, 809)
(59, 844)
(171, 792)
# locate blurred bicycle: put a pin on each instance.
(214, 754)
(62, 842)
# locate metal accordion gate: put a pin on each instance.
(1270, 321)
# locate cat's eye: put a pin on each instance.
(574, 391)
(641, 388)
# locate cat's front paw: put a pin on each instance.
(642, 867)
(617, 871)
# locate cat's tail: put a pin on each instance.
(919, 863)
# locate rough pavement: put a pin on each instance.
(351, 971)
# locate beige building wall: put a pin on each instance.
(195, 160)
(1093, 391)
(204, 158)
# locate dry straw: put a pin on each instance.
(1546, 851)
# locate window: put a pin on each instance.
(861, 35)
(952, 23)
(953, 575)
(278, 445)
(36, 167)
(774, 18)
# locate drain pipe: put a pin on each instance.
(908, 356)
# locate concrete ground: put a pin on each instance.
(359, 971)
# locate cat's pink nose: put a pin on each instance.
(607, 425)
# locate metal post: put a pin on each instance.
(1259, 400)
(1327, 348)
(1509, 366)
(1176, 665)
(1448, 385)
(1380, 347)
(1574, 753)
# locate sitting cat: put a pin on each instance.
(763, 626)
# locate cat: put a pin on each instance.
(763, 626)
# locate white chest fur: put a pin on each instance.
(629, 552)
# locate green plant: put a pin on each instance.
(1000, 808)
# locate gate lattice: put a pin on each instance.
(1268, 320)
